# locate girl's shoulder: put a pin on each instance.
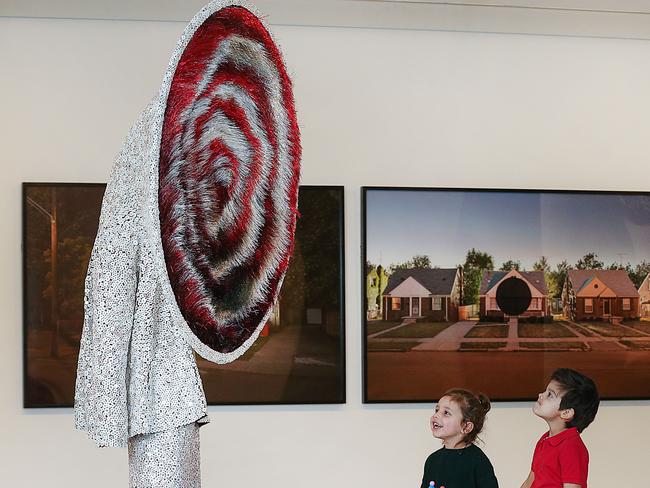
(476, 452)
(475, 449)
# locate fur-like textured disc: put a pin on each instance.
(229, 169)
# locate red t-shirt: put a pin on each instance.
(562, 458)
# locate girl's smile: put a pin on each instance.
(447, 423)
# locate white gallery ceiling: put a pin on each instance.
(628, 19)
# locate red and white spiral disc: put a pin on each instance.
(228, 178)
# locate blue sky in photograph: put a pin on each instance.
(507, 225)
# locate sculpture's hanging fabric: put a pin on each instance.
(196, 230)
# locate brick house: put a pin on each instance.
(488, 307)
(423, 292)
(599, 294)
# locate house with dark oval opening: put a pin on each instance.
(489, 308)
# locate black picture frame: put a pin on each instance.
(413, 366)
(316, 373)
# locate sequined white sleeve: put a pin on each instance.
(101, 389)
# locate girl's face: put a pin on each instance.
(447, 422)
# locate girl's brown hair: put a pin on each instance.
(474, 407)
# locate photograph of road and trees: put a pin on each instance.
(298, 357)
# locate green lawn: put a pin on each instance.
(642, 325)
(554, 346)
(576, 328)
(484, 331)
(547, 331)
(391, 346)
(375, 326)
(481, 346)
(610, 330)
(417, 330)
(637, 345)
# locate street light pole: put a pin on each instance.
(54, 310)
(54, 346)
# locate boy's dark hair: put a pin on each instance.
(580, 394)
(474, 407)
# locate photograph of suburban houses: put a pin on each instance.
(492, 290)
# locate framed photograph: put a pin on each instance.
(59, 227)
(492, 290)
(299, 357)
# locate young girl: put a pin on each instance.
(457, 420)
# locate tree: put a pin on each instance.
(418, 261)
(76, 226)
(315, 267)
(383, 283)
(589, 261)
(372, 289)
(556, 279)
(73, 255)
(376, 283)
(542, 265)
(478, 259)
(636, 274)
(421, 261)
(510, 265)
(475, 263)
(640, 272)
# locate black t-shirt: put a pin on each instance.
(459, 468)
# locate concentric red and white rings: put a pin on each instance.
(229, 169)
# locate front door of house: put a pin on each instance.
(606, 307)
(415, 307)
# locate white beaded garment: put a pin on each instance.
(137, 372)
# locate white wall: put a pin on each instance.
(376, 107)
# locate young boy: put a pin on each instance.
(568, 405)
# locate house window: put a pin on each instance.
(436, 303)
(589, 305)
(533, 304)
(396, 303)
(626, 304)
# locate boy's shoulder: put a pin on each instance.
(573, 443)
(568, 440)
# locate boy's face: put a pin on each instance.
(547, 405)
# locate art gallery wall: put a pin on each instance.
(376, 107)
